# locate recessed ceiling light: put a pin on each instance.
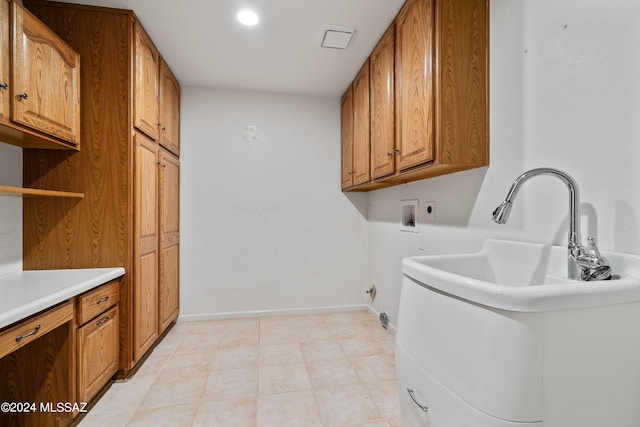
(247, 17)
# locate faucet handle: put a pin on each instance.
(596, 252)
(593, 266)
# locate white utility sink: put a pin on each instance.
(526, 277)
(502, 338)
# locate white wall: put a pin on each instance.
(565, 93)
(264, 225)
(10, 210)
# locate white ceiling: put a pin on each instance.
(205, 46)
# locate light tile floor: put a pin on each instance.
(332, 369)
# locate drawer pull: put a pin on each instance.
(411, 391)
(105, 299)
(102, 321)
(35, 331)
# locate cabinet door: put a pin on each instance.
(361, 126)
(414, 84)
(46, 79)
(145, 101)
(169, 109)
(346, 110)
(382, 108)
(5, 62)
(97, 353)
(169, 294)
(146, 255)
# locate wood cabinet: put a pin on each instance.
(32, 328)
(361, 135)
(97, 342)
(358, 137)
(36, 365)
(146, 85)
(169, 109)
(415, 113)
(97, 354)
(440, 78)
(51, 106)
(40, 83)
(5, 61)
(96, 301)
(118, 170)
(169, 214)
(382, 96)
(146, 250)
(346, 109)
(63, 351)
(157, 95)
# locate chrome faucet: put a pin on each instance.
(583, 263)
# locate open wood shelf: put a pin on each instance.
(32, 192)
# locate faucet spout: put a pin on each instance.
(501, 214)
(578, 267)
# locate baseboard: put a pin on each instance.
(267, 313)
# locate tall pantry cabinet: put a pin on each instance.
(128, 169)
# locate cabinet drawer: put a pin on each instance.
(97, 353)
(34, 327)
(94, 302)
(425, 402)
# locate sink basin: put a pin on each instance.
(502, 338)
(527, 277)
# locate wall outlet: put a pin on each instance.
(430, 209)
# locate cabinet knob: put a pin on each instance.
(390, 154)
(396, 151)
(4, 86)
(24, 95)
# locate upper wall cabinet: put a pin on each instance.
(346, 109)
(147, 87)
(157, 95)
(169, 104)
(435, 56)
(356, 143)
(382, 106)
(415, 84)
(5, 61)
(40, 90)
(361, 123)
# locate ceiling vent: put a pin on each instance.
(337, 37)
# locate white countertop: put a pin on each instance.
(28, 292)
